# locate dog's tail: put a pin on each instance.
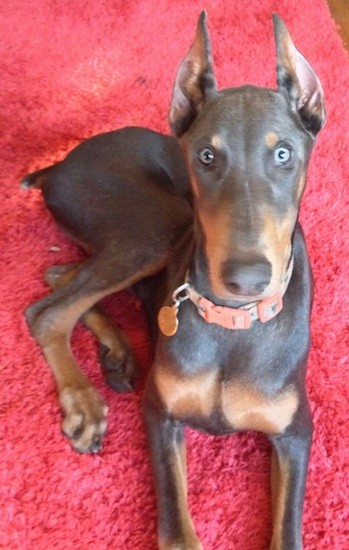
(36, 179)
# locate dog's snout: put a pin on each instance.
(247, 278)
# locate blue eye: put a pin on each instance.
(206, 156)
(282, 155)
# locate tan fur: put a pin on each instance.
(217, 245)
(216, 141)
(179, 471)
(276, 244)
(271, 139)
(301, 186)
(280, 480)
(187, 395)
(245, 408)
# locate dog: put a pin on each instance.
(204, 226)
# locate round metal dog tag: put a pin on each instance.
(167, 320)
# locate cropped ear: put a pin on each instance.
(298, 81)
(195, 80)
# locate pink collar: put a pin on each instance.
(241, 317)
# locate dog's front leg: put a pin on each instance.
(289, 472)
(168, 455)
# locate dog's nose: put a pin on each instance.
(246, 278)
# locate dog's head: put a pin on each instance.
(247, 151)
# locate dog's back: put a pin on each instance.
(131, 174)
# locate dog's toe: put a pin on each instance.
(84, 418)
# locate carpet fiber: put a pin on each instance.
(73, 69)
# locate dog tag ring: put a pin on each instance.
(168, 320)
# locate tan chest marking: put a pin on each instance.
(246, 408)
(187, 395)
(243, 407)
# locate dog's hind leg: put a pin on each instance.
(52, 320)
(116, 358)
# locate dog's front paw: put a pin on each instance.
(119, 368)
(85, 418)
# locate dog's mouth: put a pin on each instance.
(240, 299)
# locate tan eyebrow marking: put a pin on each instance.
(271, 139)
(216, 141)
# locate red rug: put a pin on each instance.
(73, 69)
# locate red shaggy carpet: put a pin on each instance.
(72, 69)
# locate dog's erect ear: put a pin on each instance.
(298, 81)
(195, 80)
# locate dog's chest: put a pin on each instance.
(233, 404)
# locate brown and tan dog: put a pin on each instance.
(205, 225)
